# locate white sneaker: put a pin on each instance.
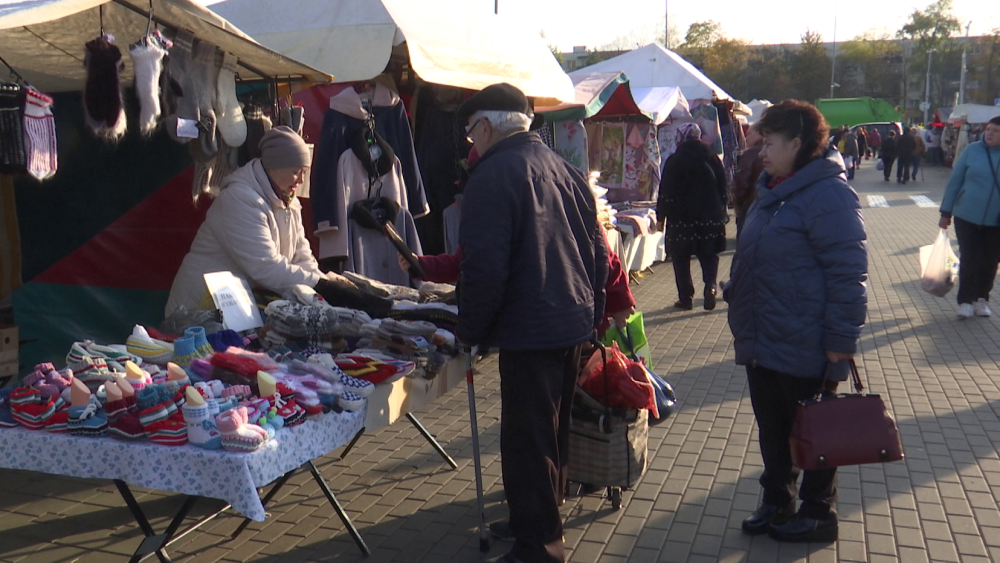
(965, 311)
(982, 308)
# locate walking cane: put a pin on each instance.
(484, 539)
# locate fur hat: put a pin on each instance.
(497, 97)
(283, 148)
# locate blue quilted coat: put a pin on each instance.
(798, 280)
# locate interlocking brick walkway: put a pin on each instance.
(940, 377)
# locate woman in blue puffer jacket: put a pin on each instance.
(797, 303)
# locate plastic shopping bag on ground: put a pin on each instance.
(938, 266)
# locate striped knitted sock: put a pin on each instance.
(40, 135)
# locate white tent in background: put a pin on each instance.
(757, 108)
(653, 66)
(973, 113)
(447, 41)
(44, 39)
(666, 102)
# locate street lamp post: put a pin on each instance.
(833, 67)
(666, 24)
(926, 106)
(961, 81)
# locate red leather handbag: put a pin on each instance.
(831, 430)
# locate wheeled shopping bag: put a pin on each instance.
(607, 446)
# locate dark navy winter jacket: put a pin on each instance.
(798, 278)
(534, 259)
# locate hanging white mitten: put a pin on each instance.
(147, 57)
(231, 122)
(40, 135)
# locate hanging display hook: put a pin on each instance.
(100, 11)
(13, 73)
(149, 21)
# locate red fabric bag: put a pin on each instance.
(616, 381)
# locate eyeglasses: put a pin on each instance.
(469, 129)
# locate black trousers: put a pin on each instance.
(887, 169)
(903, 168)
(979, 249)
(536, 396)
(775, 397)
(682, 273)
(914, 167)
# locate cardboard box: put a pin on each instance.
(8, 351)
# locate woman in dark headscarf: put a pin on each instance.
(693, 204)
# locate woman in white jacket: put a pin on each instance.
(254, 230)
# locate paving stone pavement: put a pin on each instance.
(939, 375)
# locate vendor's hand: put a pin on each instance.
(621, 317)
(945, 222)
(834, 357)
(335, 277)
(403, 263)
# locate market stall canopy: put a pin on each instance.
(757, 108)
(43, 40)
(653, 66)
(855, 111)
(664, 102)
(601, 93)
(448, 41)
(973, 113)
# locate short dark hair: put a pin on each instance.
(994, 121)
(797, 119)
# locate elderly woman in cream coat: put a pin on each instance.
(254, 230)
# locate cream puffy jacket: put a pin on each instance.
(251, 233)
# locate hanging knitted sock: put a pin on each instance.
(257, 125)
(102, 92)
(205, 71)
(232, 125)
(39, 135)
(181, 73)
(147, 57)
(203, 169)
(13, 157)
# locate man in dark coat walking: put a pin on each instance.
(888, 153)
(905, 147)
(533, 271)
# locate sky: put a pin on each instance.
(592, 23)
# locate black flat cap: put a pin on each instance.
(497, 97)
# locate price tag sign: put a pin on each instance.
(232, 296)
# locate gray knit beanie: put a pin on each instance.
(283, 148)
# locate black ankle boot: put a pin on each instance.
(801, 529)
(709, 298)
(766, 515)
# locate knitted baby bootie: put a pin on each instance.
(185, 351)
(141, 344)
(237, 434)
(350, 401)
(121, 422)
(28, 408)
(89, 420)
(200, 341)
(201, 427)
(58, 423)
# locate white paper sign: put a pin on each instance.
(187, 128)
(232, 296)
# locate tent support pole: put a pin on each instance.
(159, 21)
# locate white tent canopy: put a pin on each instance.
(43, 40)
(757, 108)
(973, 113)
(448, 41)
(653, 66)
(667, 102)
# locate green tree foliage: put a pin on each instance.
(870, 64)
(809, 68)
(931, 29)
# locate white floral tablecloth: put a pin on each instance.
(229, 476)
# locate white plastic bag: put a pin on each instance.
(938, 266)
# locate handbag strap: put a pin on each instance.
(628, 340)
(989, 160)
(855, 377)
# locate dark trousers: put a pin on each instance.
(775, 396)
(914, 167)
(903, 168)
(887, 169)
(536, 396)
(979, 249)
(682, 274)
